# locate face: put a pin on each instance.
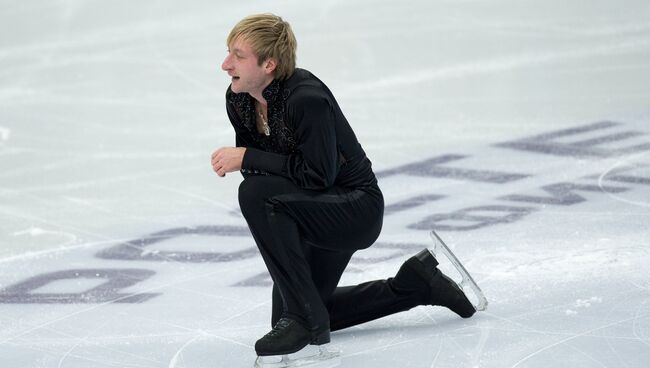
(241, 64)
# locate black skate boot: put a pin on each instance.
(287, 337)
(422, 269)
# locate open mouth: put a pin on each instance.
(235, 78)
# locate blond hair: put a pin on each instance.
(270, 37)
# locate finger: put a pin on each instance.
(217, 153)
(217, 158)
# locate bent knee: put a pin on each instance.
(254, 191)
(248, 192)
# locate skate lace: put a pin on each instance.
(279, 326)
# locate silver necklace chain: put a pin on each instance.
(265, 124)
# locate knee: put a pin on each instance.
(255, 191)
(249, 193)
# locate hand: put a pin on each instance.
(227, 159)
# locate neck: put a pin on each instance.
(257, 95)
(259, 98)
(260, 101)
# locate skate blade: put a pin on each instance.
(311, 356)
(466, 282)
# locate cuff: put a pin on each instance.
(258, 160)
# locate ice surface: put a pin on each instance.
(519, 130)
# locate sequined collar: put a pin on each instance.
(272, 92)
(245, 104)
(281, 137)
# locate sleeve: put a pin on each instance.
(314, 164)
(240, 141)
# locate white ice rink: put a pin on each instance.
(520, 130)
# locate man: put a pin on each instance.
(309, 196)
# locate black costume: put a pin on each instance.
(311, 200)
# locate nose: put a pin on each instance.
(226, 65)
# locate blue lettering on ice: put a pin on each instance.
(472, 218)
(562, 194)
(410, 203)
(431, 168)
(631, 179)
(555, 143)
(116, 279)
(136, 249)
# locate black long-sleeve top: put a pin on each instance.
(310, 141)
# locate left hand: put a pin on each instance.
(227, 159)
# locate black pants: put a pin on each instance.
(306, 239)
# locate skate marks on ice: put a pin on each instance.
(105, 345)
(536, 338)
(116, 343)
(568, 343)
(587, 331)
(631, 169)
(412, 340)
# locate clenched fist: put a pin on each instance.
(227, 159)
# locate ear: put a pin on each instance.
(269, 65)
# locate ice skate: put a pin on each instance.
(420, 274)
(467, 283)
(289, 344)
